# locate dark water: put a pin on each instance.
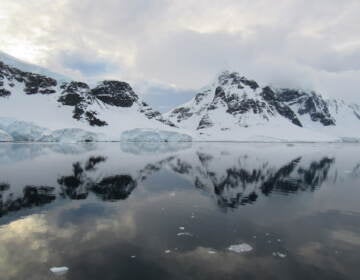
(115, 211)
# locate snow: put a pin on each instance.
(59, 270)
(40, 117)
(151, 135)
(27, 67)
(267, 126)
(240, 248)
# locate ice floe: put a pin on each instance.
(61, 270)
(240, 248)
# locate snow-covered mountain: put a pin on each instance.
(236, 108)
(36, 105)
(39, 105)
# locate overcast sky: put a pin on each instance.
(170, 48)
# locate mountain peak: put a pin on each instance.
(235, 79)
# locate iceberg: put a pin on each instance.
(153, 135)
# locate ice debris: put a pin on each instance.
(61, 270)
(240, 248)
(184, 234)
(278, 254)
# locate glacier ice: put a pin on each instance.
(153, 135)
(22, 131)
(5, 137)
(71, 135)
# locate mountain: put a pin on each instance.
(236, 108)
(36, 105)
(39, 105)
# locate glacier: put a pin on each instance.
(150, 135)
(5, 137)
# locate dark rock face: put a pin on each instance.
(33, 83)
(115, 93)
(239, 96)
(150, 113)
(78, 94)
(283, 109)
(4, 92)
(234, 78)
(308, 104)
(205, 122)
(182, 113)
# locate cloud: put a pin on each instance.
(184, 44)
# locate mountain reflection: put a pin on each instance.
(32, 196)
(79, 184)
(232, 184)
(240, 186)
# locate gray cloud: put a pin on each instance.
(184, 44)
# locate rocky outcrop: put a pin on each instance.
(249, 104)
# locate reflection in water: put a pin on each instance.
(32, 196)
(79, 184)
(139, 148)
(236, 184)
(240, 186)
(168, 215)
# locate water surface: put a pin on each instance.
(171, 211)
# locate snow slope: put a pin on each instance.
(234, 108)
(36, 107)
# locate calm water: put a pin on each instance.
(151, 211)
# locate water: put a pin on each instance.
(172, 211)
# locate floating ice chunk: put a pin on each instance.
(278, 254)
(211, 252)
(184, 234)
(182, 228)
(167, 251)
(133, 257)
(61, 270)
(240, 248)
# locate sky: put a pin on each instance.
(169, 49)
